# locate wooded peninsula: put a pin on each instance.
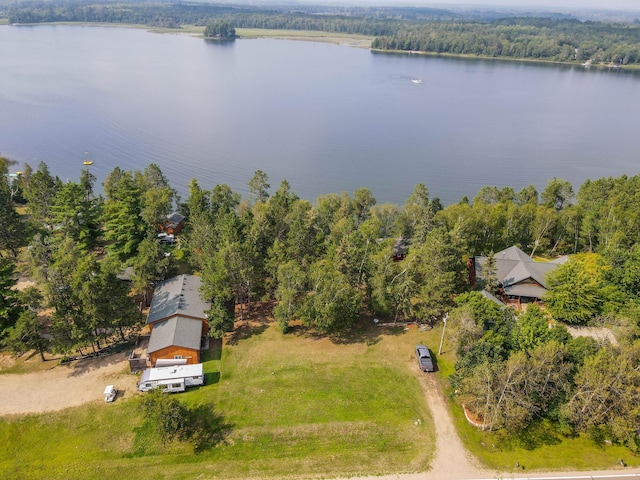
(550, 37)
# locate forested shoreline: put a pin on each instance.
(567, 41)
(324, 265)
(554, 38)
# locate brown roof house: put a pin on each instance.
(177, 320)
(173, 225)
(520, 278)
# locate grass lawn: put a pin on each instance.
(312, 35)
(292, 405)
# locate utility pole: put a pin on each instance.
(444, 326)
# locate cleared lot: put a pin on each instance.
(65, 385)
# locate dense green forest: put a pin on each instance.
(321, 265)
(219, 29)
(557, 38)
(522, 38)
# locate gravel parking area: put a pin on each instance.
(66, 385)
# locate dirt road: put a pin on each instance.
(452, 461)
(65, 385)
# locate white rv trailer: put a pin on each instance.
(172, 379)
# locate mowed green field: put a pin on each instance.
(291, 405)
(307, 35)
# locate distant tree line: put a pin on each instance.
(522, 38)
(553, 38)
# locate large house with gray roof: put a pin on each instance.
(521, 279)
(177, 320)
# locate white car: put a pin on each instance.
(166, 238)
(110, 393)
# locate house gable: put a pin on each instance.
(172, 352)
(518, 274)
(176, 337)
(178, 296)
(177, 331)
(173, 225)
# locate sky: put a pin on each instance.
(552, 4)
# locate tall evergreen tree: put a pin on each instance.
(122, 214)
(39, 192)
(10, 305)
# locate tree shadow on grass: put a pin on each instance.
(364, 331)
(207, 428)
(245, 330)
(254, 323)
(538, 434)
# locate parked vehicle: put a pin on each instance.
(172, 379)
(425, 362)
(166, 238)
(110, 393)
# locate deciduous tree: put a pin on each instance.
(332, 304)
(606, 394)
(574, 292)
(291, 280)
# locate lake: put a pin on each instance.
(327, 118)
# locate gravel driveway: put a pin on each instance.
(65, 386)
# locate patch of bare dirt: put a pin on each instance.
(66, 385)
(600, 334)
(452, 460)
(6, 361)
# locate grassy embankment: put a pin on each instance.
(542, 447)
(315, 36)
(293, 404)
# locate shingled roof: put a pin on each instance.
(177, 331)
(178, 296)
(518, 273)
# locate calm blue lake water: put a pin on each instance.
(327, 118)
